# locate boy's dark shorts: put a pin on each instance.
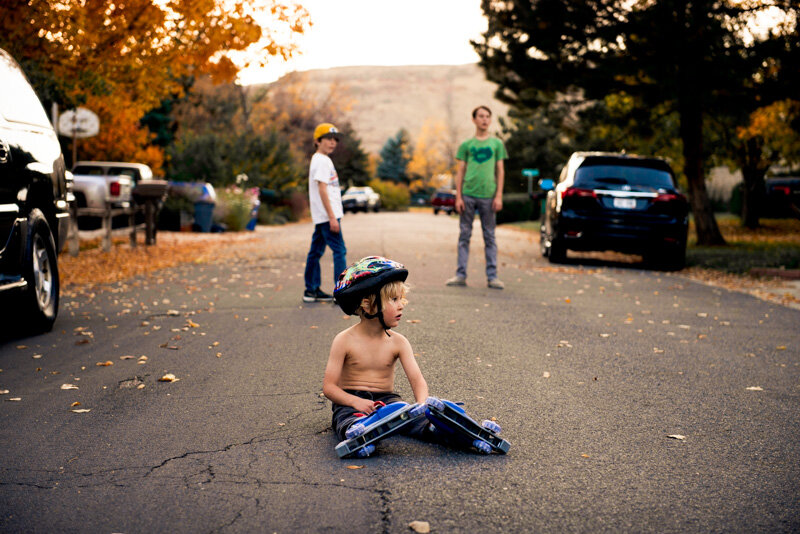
(344, 416)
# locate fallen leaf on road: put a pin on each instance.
(412, 321)
(74, 404)
(545, 375)
(605, 335)
(658, 351)
(782, 347)
(422, 527)
(451, 321)
(126, 357)
(677, 436)
(22, 346)
(104, 364)
(169, 377)
(701, 314)
(140, 386)
(173, 312)
(69, 386)
(754, 388)
(4, 392)
(14, 399)
(584, 455)
(37, 356)
(192, 324)
(355, 467)
(81, 410)
(83, 341)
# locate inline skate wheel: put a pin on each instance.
(482, 446)
(355, 430)
(491, 426)
(366, 451)
(435, 403)
(417, 410)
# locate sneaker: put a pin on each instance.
(496, 283)
(316, 295)
(456, 281)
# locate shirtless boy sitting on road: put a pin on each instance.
(360, 369)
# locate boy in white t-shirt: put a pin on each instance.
(325, 199)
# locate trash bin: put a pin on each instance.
(204, 208)
(254, 216)
(203, 212)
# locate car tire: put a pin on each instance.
(557, 252)
(435, 211)
(40, 270)
(672, 258)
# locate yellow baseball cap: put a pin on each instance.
(326, 128)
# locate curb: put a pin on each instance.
(789, 274)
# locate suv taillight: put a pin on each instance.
(782, 189)
(669, 197)
(114, 189)
(575, 192)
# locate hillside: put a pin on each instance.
(385, 99)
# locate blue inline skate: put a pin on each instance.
(451, 419)
(380, 424)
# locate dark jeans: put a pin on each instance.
(323, 236)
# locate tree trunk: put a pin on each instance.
(705, 224)
(754, 190)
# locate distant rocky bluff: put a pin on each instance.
(385, 99)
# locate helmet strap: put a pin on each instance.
(378, 314)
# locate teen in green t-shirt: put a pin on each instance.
(479, 188)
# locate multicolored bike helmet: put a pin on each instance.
(364, 278)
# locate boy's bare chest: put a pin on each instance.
(371, 357)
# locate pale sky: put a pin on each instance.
(382, 32)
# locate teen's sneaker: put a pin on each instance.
(316, 295)
(496, 283)
(456, 281)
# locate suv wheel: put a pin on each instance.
(40, 270)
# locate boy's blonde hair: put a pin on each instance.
(389, 291)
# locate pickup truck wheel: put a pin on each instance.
(40, 300)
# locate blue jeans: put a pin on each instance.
(488, 222)
(323, 236)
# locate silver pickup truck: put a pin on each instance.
(96, 183)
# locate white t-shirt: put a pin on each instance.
(322, 170)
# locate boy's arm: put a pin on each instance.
(323, 196)
(461, 169)
(330, 383)
(500, 177)
(413, 372)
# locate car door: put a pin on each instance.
(30, 155)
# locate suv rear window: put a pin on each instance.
(619, 176)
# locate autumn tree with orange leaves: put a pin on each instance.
(122, 59)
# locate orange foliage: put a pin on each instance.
(125, 58)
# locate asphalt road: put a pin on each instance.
(589, 369)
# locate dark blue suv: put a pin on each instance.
(609, 201)
(34, 209)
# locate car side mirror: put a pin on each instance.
(546, 184)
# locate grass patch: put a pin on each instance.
(775, 244)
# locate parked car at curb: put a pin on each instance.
(361, 199)
(444, 200)
(783, 197)
(96, 183)
(34, 204)
(610, 201)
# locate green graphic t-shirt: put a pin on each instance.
(480, 157)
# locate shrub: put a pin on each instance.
(394, 197)
(234, 207)
(516, 207)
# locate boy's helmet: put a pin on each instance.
(364, 278)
